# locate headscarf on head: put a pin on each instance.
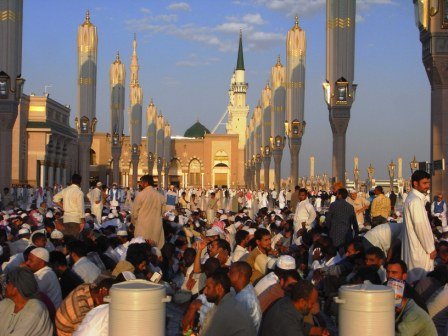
(23, 279)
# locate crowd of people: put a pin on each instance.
(236, 262)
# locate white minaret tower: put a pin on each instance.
(295, 94)
(237, 108)
(160, 139)
(11, 82)
(166, 153)
(86, 120)
(117, 74)
(266, 95)
(339, 88)
(278, 100)
(151, 117)
(135, 113)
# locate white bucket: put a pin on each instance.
(367, 310)
(137, 307)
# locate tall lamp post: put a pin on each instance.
(414, 165)
(391, 168)
(294, 132)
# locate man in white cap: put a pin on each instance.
(284, 263)
(96, 201)
(21, 243)
(46, 278)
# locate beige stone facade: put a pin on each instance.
(44, 145)
(198, 162)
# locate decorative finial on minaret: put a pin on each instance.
(117, 57)
(296, 23)
(241, 32)
(88, 16)
(151, 103)
(267, 85)
(278, 64)
(134, 45)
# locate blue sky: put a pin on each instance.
(187, 52)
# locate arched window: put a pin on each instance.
(194, 173)
(92, 157)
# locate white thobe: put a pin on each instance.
(417, 238)
(94, 196)
(304, 213)
(49, 285)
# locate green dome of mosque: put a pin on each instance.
(196, 131)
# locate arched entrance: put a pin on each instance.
(175, 173)
(194, 173)
(221, 169)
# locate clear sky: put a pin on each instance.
(188, 50)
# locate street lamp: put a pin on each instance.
(391, 168)
(414, 165)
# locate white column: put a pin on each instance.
(186, 180)
(202, 180)
(42, 175)
(127, 179)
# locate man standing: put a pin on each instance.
(417, 249)
(341, 220)
(71, 200)
(360, 204)
(171, 198)
(305, 213)
(114, 196)
(147, 212)
(438, 209)
(294, 199)
(96, 201)
(212, 207)
(380, 207)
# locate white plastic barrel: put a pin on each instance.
(367, 310)
(137, 307)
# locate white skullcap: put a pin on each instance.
(23, 215)
(155, 250)
(214, 231)
(41, 253)
(298, 241)
(49, 214)
(237, 224)
(271, 263)
(56, 234)
(398, 214)
(251, 231)
(5, 217)
(286, 262)
(220, 211)
(111, 216)
(137, 240)
(122, 233)
(103, 218)
(171, 217)
(26, 226)
(223, 217)
(24, 231)
(351, 191)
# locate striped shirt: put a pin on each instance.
(73, 310)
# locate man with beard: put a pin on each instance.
(227, 317)
(285, 317)
(258, 257)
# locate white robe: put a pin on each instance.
(417, 238)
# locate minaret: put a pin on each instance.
(160, 139)
(86, 120)
(238, 110)
(312, 172)
(295, 94)
(278, 118)
(339, 88)
(135, 114)
(166, 153)
(151, 117)
(257, 144)
(11, 82)
(251, 154)
(117, 76)
(266, 95)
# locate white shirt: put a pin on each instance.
(49, 285)
(87, 270)
(382, 235)
(249, 301)
(416, 237)
(265, 282)
(95, 323)
(304, 213)
(239, 253)
(73, 199)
